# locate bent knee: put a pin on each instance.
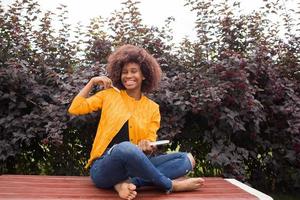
(126, 148)
(125, 144)
(192, 160)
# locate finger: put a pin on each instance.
(143, 146)
(97, 81)
(154, 147)
(140, 146)
(107, 83)
(141, 142)
(148, 146)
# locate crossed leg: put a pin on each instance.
(175, 166)
(125, 160)
(189, 183)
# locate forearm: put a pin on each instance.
(84, 92)
(98, 80)
(82, 103)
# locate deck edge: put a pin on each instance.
(258, 194)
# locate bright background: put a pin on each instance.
(153, 12)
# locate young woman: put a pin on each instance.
(121, 154)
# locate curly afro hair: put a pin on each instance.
(133, 54)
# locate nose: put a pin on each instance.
(128, 75)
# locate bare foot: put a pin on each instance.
(187, 184)
(126, 190)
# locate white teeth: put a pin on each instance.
(129, 82)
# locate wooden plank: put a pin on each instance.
(78, 187)
(250, 190)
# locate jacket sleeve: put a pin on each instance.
(81, 105)
(154, 125)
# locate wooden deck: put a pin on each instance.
(75, 187)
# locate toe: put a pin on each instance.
(131, 196)
(131, 186)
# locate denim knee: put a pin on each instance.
(96, 175)
(187, 162)
(125, 149)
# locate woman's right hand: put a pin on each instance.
(102, 80)
(146, 147)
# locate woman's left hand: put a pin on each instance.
(145, 146)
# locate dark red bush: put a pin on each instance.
(231, 97)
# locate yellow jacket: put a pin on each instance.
(143, 117)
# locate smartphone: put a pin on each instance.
(159, 142)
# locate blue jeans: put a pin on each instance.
(126, 161)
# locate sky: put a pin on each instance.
(153, 12)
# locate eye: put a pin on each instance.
(134, 70)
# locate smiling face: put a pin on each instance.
(132, 77)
